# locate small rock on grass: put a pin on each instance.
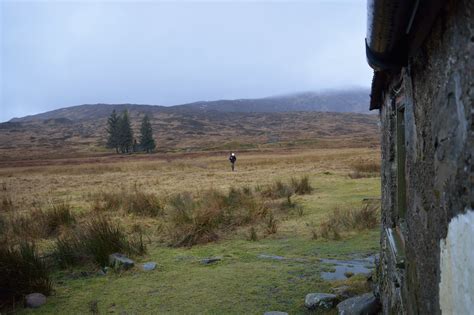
(275, 313)
(362, 304)
(149, 266)
(103, 271)
(320, 301)
(208, 261)
(120, 261)
(35, 300)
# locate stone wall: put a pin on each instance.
(436, 91)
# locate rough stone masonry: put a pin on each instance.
(427, 133)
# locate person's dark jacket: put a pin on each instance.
(232, 158)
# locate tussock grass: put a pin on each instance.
(280, 189)
(38, 223)
(20, 226)
(22, 271)
(94, 242)
(277, 190)
(341, 220)
(271, 224)
(136, 202)
(301, 186)
(50, 221)
(363, 169)
(6, 204)
(200, 219)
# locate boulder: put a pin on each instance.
(275, 313)
(35, 300)
(365, 304)
(149, 266)
(120, 261)
(320, 301)
(208, 261)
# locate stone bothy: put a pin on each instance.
(422, 53)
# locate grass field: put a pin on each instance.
(244, 281)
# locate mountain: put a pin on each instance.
(355, 101)
(262, 124)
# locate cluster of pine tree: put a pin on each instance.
(120, 134)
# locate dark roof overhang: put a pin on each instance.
(395, 31)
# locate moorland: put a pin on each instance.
(304, 196)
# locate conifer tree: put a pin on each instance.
(125, 133)
(113, 131)
(147, 142)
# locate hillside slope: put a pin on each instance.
(185, 131)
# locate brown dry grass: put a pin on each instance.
(365, 168)
(140, 195)
(35, 185)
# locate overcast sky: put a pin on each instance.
(56, 54)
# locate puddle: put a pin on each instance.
(354, 266)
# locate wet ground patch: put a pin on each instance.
(343, 269)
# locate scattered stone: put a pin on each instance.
(320, 301)
(275, 257)
(343, 292)
(149, 266)
(348, 274)
(35, 300)
(275, 313)
(103, 271)
(120, 261)
(366, 304)
(208, 261)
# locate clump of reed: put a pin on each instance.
(38, 223)
(341, 220)
(93, 242)
(22, 271)
(279, 189)
(301, 186)
(134, 202)
(200, 219)
(363, 169)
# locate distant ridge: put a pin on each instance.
(351, 101)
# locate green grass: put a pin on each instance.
(242, 283)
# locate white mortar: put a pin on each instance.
(456, 288)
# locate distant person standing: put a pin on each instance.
(232, 159)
